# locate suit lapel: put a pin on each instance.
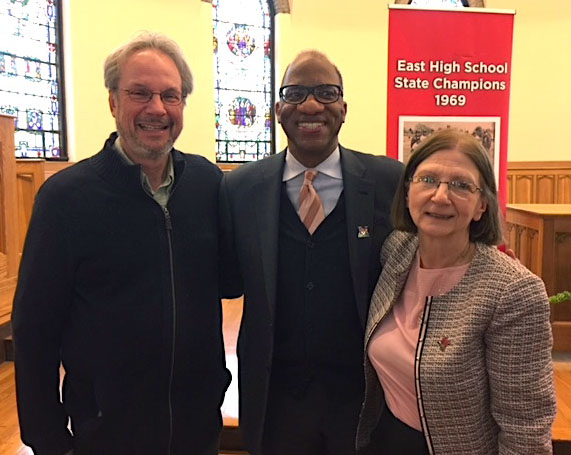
(267, 197)
(359, 193)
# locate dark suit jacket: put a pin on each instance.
(250, 205)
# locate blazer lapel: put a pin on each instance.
(359, 193)
(267, 197)
(393, 278)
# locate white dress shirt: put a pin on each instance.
(328, 183)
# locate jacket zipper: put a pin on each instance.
(168, 226)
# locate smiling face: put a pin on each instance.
(441, 214)
(147, 130)
(311, 127)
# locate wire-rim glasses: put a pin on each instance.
(458, 188)
(144, 95)
(324, 93)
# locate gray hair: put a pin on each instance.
(147, 40)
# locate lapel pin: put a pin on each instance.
(363, 232)
(444, 343)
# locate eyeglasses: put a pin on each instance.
(456, 187)
(143, 95)
(297, 94)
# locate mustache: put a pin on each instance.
(154, 121)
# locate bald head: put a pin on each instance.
(309, 56)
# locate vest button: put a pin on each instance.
(310, 244)
(309, 286)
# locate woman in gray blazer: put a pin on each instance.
(458, 339)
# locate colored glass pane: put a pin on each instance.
(243, 79)
(29, 68)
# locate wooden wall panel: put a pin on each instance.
(545, 189)
(7, 288)
(29, 178)
(526, 241)
(521, 189)
(8, 202)
(3, 266)
(52, 167)
(564, 188)
(562, 263)
(539, 182)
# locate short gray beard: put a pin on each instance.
(152, 154)
(142, 151)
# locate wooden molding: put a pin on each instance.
(8, 201)
(537, 165)
(227, 167)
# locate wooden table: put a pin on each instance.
(540, 235)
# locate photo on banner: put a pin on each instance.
(414, 128)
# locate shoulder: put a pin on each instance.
(377, 163)
(401, 239)
(198, 162)
(64, 194)
(500, 278)
(399, 245)
(490, 262)
(256, 170)
(67, 180)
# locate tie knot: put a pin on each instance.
(309, 176)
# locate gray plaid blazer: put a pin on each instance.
(490, 390)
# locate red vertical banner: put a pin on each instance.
(450, 69)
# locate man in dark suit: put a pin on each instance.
(306, 289)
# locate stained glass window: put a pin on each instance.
(243, 71)
(30, 86)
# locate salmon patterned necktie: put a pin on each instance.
(310, 207)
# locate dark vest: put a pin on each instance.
(316, 324)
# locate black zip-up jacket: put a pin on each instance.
(124, 294)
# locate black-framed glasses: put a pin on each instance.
(144, 95)
(456, 187)
(297, 94)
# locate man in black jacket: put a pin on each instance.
(118, 282)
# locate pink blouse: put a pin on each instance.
(392, 346)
